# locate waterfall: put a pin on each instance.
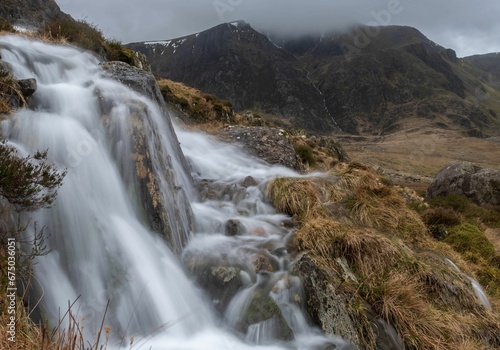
(100, 235)
(476, 287)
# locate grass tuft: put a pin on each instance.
(353, 216)
(296, 197)
(87, 37)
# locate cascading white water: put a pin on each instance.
(476, 287)
(100, 248)
(261, 234)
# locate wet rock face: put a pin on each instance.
(325, 305)
(463, 178)
(164, 205)
(220, 281)
(232, 227)
(135, 78)
(145, 83)
(264, 311)
(269, 144)
(27, 86)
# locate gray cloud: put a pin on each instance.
(463, 25)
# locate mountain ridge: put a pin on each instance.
(317, 82)
(261, 74)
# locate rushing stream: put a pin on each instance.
(101, 248)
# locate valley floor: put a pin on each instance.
(413, 157)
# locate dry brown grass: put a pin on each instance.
(398, 298)
(38, 337)
(421, 152)
(296, 197)
(28, 335)
(374, 204)
(392, 256)
(205, 111)
(9, 92)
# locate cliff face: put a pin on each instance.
(357, 82)
(31, 13)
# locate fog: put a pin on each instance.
(463, 25)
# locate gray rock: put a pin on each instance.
(166, 206)
(263, 262)
(27, 86)
(464, 178)
(214, 190)
(141, 61)
(269, 144)
(263, 309)
(335, 148)
(232, 227)
(4, 69)
(494, 139)
(248, 182)
(137, 79)
(327, 307)
(220, 281)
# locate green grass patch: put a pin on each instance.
(488, 215)
(455, 202)
(469, 240)
(305, 154)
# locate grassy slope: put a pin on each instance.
(196, 107)
(399, 267)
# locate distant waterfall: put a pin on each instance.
(101, 247)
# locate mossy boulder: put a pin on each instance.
(262, 309)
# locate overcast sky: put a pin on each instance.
(467, 26)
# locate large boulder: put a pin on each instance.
(464, 178)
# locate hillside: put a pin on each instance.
(319, 82)
(235, 62)
(490, 63)
(31, 13)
